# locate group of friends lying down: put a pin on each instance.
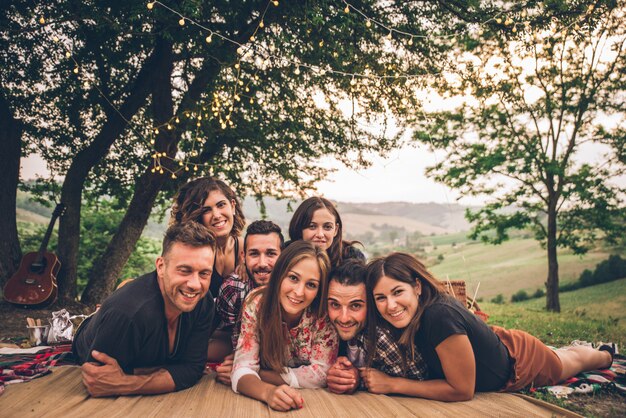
(271, 317)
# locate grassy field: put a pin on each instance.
(517, 264)
(596, 313)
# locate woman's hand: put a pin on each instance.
(283, 398)
(342, 377)
(376, 381)
(224, 369)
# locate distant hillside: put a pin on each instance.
(363, 218)
(360, 220)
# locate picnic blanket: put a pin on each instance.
(62, 394)
(17, 368)
(593, 381)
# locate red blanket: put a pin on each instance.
(16, 368)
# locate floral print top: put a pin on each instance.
(312, 348)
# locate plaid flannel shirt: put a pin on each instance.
(229, 303)
(388, 358)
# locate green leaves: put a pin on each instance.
(540, 100)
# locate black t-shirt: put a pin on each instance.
(447, 317)
(216, 278)
(131, 327)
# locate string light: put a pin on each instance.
(316, 69)
(42, 20)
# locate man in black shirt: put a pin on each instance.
(151, 335)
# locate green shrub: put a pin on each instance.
(567, 287)
(520, 296)
(608, 270)
(586, 278)
(539, 293)
(499, 299)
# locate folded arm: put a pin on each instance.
(108, 379)
(459, 367)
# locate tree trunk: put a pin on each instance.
(85, 160)
(552, 284)
(108, 267)
(10, 153)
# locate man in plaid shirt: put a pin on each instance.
(262, 245)
(347, 310)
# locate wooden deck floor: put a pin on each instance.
(62, 394)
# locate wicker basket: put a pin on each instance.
(456, 289)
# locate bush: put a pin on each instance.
(499, 300)
(520, 296)
(568, 287)
(586, 278)
(440, 257)
(608, 270)
(539, 293)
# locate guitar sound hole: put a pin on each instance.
(38, 267)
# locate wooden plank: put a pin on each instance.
(62, 394)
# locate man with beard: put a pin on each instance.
(151, 335)
(262, 246)
(347, 310)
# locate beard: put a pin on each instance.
(261, 270)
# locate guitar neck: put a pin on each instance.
(46, 238)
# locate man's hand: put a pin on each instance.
(107, 379)
(376, 381)
(223, 370)
(283, 398)
(342, 377)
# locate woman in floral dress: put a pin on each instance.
(287, 341)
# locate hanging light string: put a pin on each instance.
(369, 21)
(242, 51)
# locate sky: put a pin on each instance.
(400, 176)
(396, 177)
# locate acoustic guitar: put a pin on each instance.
(34, 284)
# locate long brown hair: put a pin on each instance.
(302, 218)
(189, 202)
(407, 269)
(272, 338)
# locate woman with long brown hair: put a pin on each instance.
(286, 340)
(317, 220)
(211, 202)
(463, 353)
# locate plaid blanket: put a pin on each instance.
(593, 381)
(16, 368)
